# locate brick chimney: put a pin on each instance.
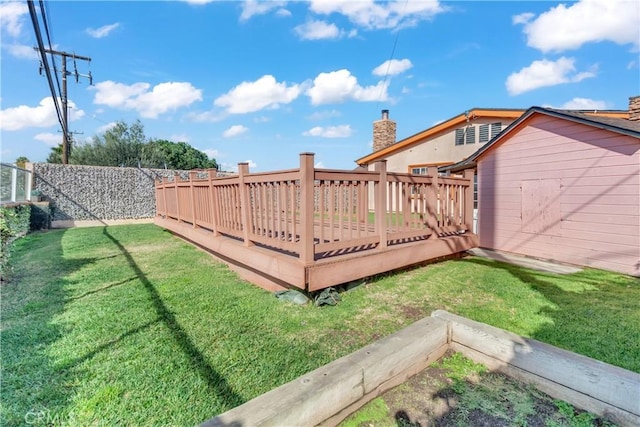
(634, 108)
(384, 132)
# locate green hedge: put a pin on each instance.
(15, 222)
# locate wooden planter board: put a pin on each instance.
(330, 393)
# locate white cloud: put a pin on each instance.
(262, 119)
(544, 73)
(371, 15)
(340, 86)
(317, 30)
(234, 130)
(265, 92)
(563, 28)
(181, 137)
(319, 165)
(116, 95)
(252, 164)
(392, 67)
(251, 8)
(50, 139)
(211, 153)
(342, 131)
(106, 127)
(163, 97)
(22, 51)
(41, 116)
(322, 115)
(207, 116)
(198, 2)
(523, 18)
(103, 31)
(283, 13)
(11, 17)
(584, 104)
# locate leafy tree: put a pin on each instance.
(55, 156)
(180, 155)
(20, 161)
(127, 145)
(122, 145)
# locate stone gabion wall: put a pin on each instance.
(98, 193)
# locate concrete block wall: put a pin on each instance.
(90, 193)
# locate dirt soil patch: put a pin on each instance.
(457, 392)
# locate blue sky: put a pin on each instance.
(264, 81)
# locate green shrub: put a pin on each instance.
(14, 223)
(40, 216)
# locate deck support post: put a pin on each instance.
(432, 205)
(245, 203)
(307, 179)
(192, 175)
(212, 173)
(468, 200)
(381, 203)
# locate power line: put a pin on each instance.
(393, 51)
(61, 111)
(66, 143)
(46, 29)
(43, 57)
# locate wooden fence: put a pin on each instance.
(317, 213)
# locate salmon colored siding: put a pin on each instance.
(561, 190)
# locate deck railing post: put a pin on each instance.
(212, 173)
(381, 203)
(157, 187)
(432, 204)
(307, 181)
(245, 203)
(468, 200)
(192, 175)
(163, 182)
(176, 178)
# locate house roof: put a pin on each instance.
(475, 113)
(419, 137)
(614, 121)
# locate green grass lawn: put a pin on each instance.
(129, 325)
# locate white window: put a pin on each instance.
(420, 170)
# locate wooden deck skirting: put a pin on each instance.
(314, 228)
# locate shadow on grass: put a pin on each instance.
(594, 312)
(33, 386)
(213, 379)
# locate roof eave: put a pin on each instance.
(440, 127)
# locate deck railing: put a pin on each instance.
(15, 184)
(315, 213)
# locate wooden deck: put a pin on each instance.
(313, 228)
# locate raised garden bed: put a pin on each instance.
(455, 391)
(329, 394)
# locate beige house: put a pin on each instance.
(443, 144)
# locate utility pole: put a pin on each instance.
(66, 137)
